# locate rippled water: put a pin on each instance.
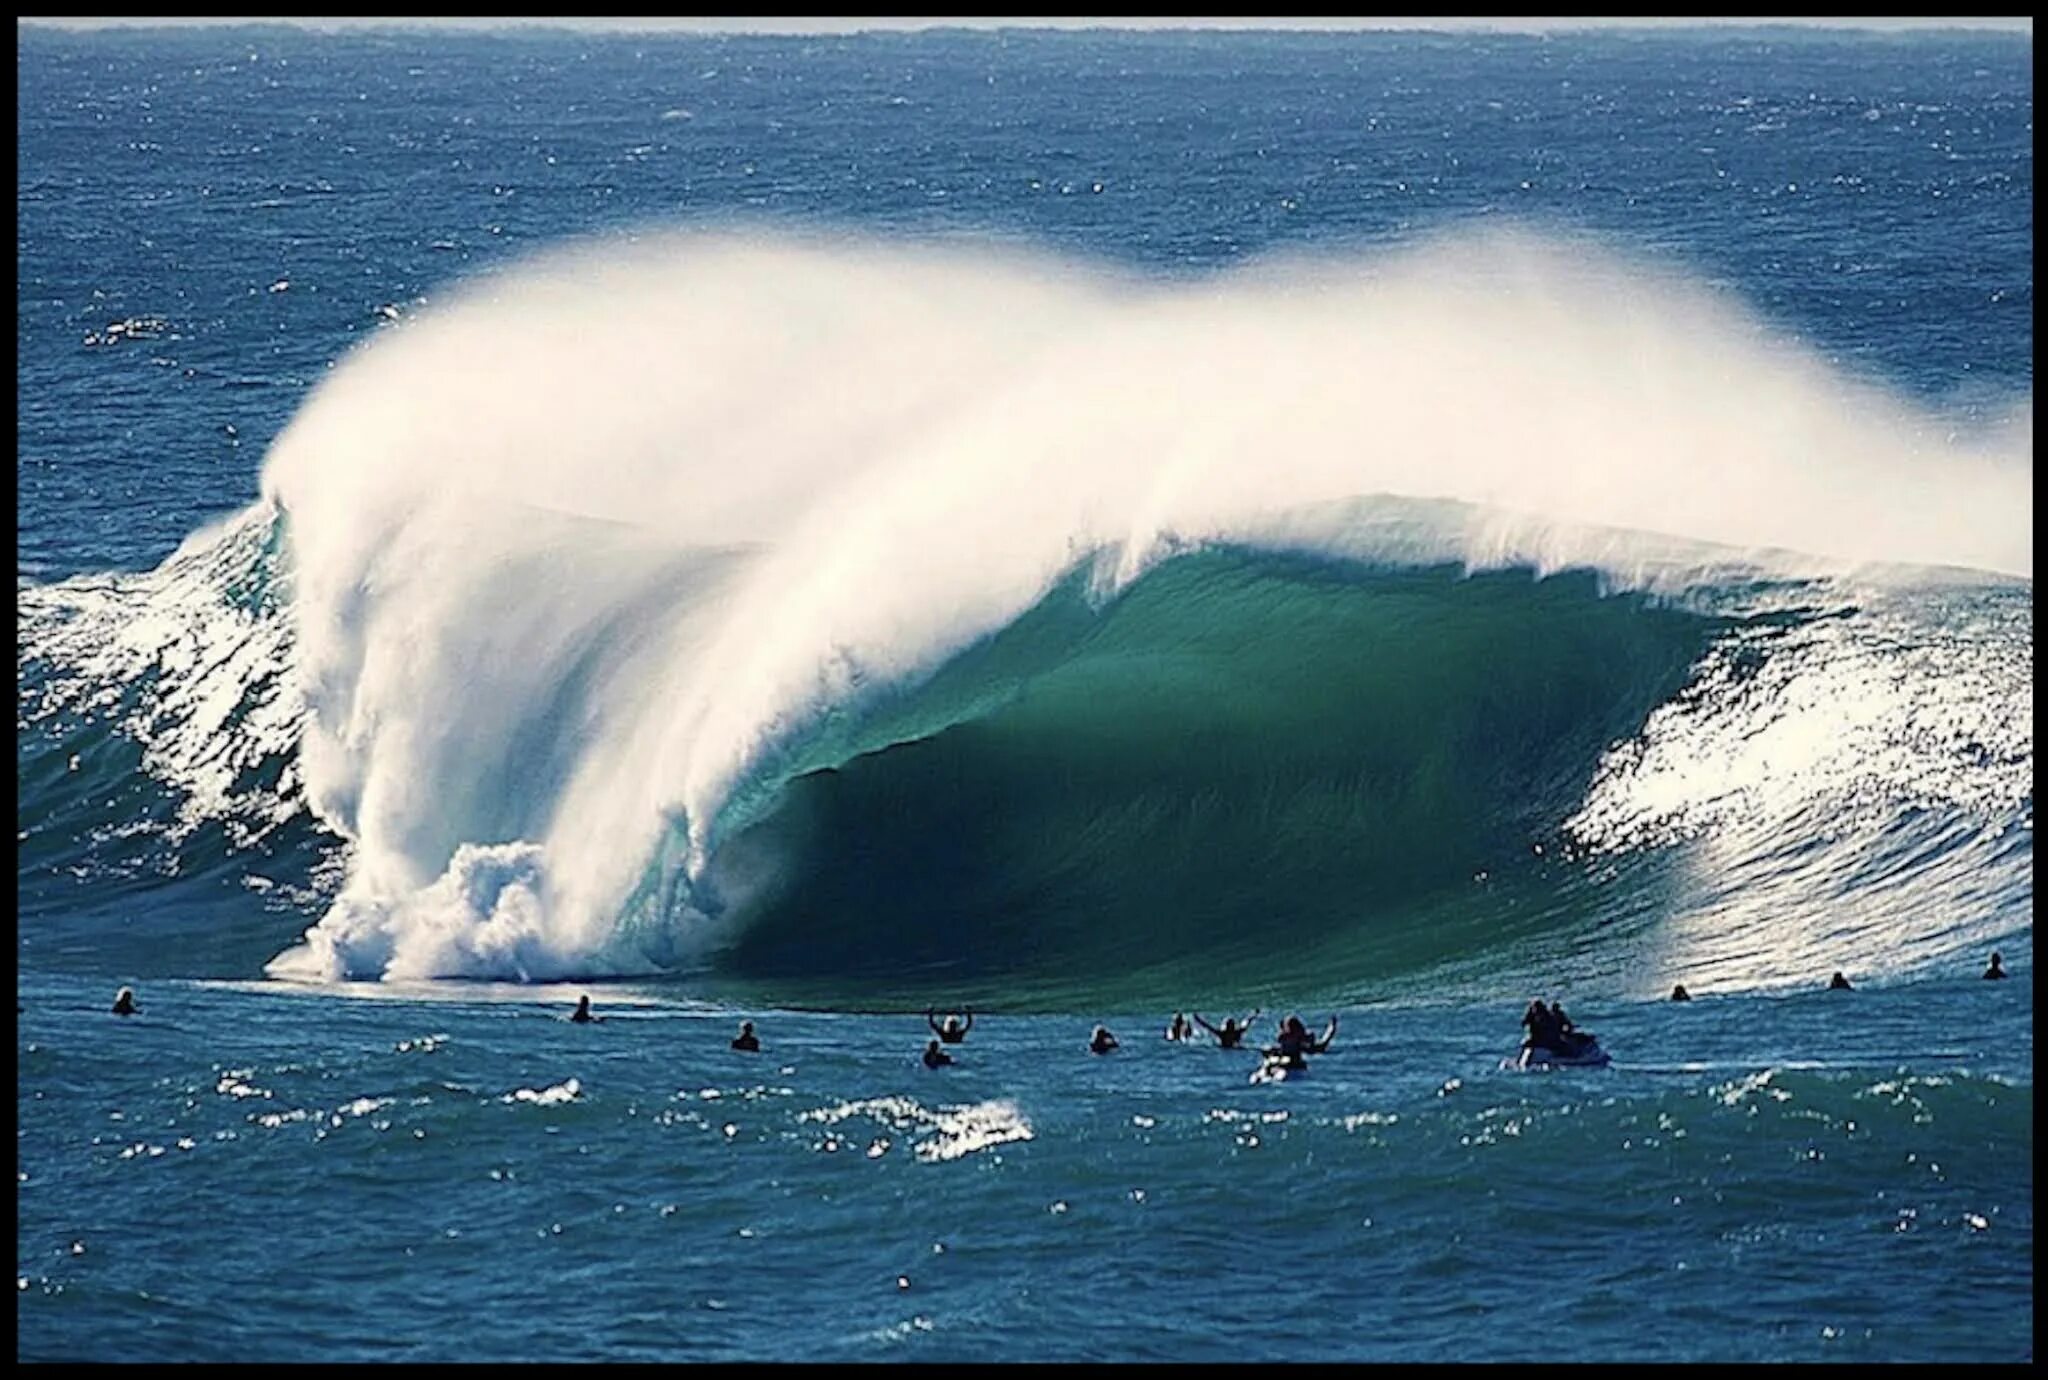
(465, 1175)
(1777, 779)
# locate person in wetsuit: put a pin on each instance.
(1233, 1032)
(746, 1042)
(1573, 1040)
(124, 1003)
(581, 1015)
(1101, 1042)
(952, 1032)
(1996, 970)
(1679, 993)
(1180, 1029)
(934, 1057)
(1293, 1042)
(1551, 1029)
(1838, 983)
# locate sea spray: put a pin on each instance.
(594, 548)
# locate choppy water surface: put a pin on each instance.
(1078, 524)
(467, 1178)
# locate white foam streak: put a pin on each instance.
(575, 548)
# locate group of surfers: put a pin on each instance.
(1292, 1042)
(1549, 1028)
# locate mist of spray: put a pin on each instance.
(576, 548)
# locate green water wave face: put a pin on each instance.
(1246, 770)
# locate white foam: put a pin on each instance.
(946, 1133)
(580, 544)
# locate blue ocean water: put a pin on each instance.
(1077, 524)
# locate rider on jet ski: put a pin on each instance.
(1551, 1029)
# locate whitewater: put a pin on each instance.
(672, 519)
(1081, 526)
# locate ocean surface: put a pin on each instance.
(1076, 525)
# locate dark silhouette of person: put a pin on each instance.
(582, 1014)
(1679, 993)
(124, 1003)
(952, 1032)
(1542, 1026)
(1838, 983)
(1551, 1029)
(934, 1057)
(1181, 1029)
(1294, 1042)
(1997, 968)
(1233, 1032)
(746, 1041)
(1101, 1042)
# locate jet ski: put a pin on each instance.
(1584, 1053)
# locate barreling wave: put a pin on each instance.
(848, 616)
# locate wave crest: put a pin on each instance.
(608, 569)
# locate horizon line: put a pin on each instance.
(834, 27)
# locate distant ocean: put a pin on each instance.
(1077, 525)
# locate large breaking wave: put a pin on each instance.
(856, 614)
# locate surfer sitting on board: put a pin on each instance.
(952, 1032)
(747, 1042)
(1294, 1042)
(1233, 1032)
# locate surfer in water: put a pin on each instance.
(746, 1042)
(934, 1057)
(1180, 1029)
(124, 1003)
(581, 1015)
(1996, 970)
(1294, 1042)
(1679, 993)
(1233, 1032)
(1838, 983)
(1101, 1042)
(952, 1032)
